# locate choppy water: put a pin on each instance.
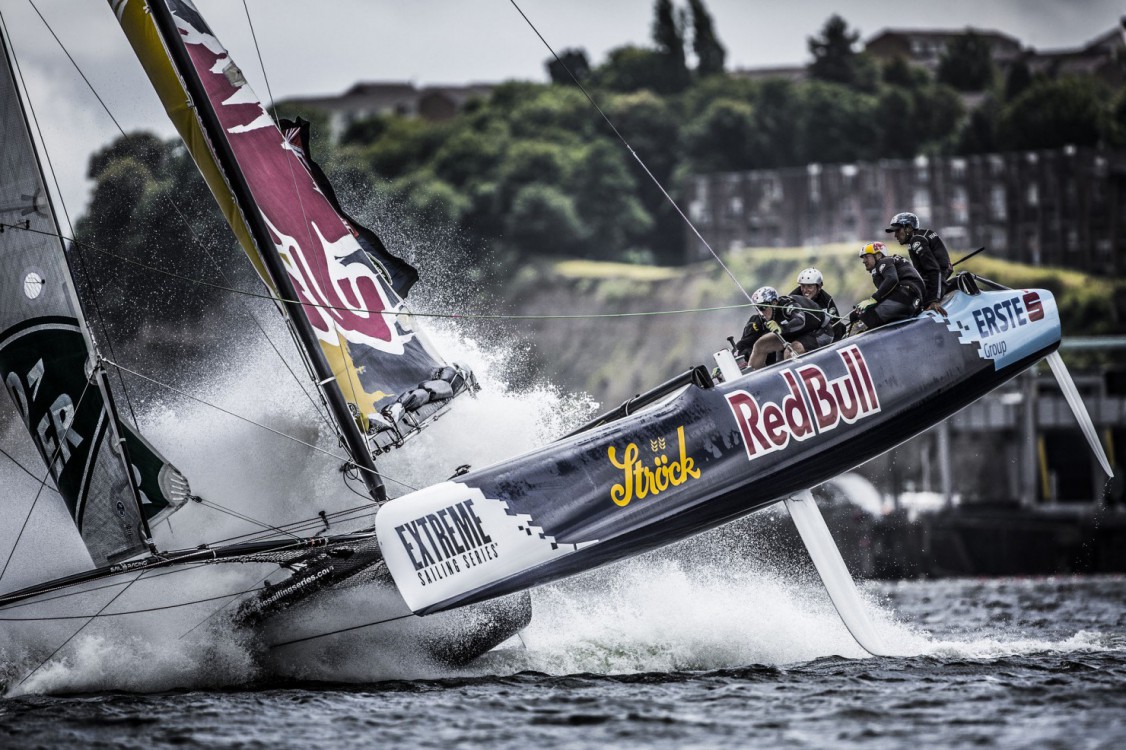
(753, 659)
(722, 641)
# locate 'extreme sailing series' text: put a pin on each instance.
(814, 405)
(447, 542)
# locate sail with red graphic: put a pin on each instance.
(336, 280)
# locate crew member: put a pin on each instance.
(899, 288)
(928, 254)
(811, 286)
(797, 323)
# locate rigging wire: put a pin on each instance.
(243, 517)
(316, 448)
(341, 630)
(103, 614)
(351, 375)
(43, 482)
(80, 629)
(301, 205)
(633, 153)
(214, 614)
(33, 599)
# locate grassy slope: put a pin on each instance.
(613, 358)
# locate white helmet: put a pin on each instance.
(810, 276)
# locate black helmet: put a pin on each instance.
(903, 219)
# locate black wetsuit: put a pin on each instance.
(825, 301)
(899, 292)
(804, 321)
(932, 261)
(754, 330)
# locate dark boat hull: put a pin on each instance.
(705, 455)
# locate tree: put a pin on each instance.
(723, 138)
(668, 35)
(839, 125)
(1116, 123)
(364, 131)
(1017, 79)
(834, 56)
(1055, 113)
(897, 72)
(779, 113)
(967, 63)
(631, 68)
(979, 134)
(710, 54)
(606, 200)
(148, 150)
(894, 110)
(571, 66)
(543, 221)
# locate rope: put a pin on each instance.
(102, 613)
(633, 153)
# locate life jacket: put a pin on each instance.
(815, 316)
(911, 287)
(938, 248)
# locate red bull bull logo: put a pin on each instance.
(814, 404)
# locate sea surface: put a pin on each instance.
(656, 653)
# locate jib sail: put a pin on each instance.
(338, 283)
(45, 363)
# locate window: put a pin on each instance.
(997, 202)
(997, 240)
(921, 201)
(960, 205)
(922, 168)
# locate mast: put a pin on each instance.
(354, 440)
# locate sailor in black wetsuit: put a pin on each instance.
(899, 288)
(798, 325)
(928, 254)
(811, 286)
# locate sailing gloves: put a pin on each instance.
(773, 327)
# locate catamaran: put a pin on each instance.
(690, 454)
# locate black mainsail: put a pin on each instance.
(48, 364)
